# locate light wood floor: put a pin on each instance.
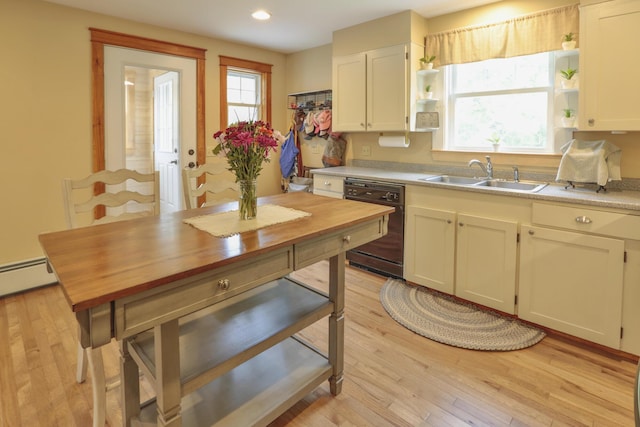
(393, 377)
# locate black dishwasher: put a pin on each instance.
(385, 255)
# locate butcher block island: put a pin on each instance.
(157, 284)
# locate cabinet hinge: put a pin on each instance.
(515, 300)
(517, 237)
(625, 256)
(406, 56)
(406, 119)
(621, 332)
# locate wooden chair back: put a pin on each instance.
(207, 179)
(128, 194)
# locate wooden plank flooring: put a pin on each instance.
(393, 377)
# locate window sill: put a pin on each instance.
(520, 159)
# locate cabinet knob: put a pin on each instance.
(448, 221)
(531, 232)
(591, 122)
(460, 224)
(361, 125)
(223, 284)
(327, 184)
(583, 220)
(346, 239)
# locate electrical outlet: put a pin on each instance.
(366, 150)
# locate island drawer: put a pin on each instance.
(330, 245)
(159, 305)
(613, 224)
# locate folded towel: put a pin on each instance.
(589, 161)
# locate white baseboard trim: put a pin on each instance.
(23, 275)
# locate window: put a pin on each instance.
(245, 88)
(506, 99)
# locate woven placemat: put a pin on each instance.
(226, 224)
(445, 320)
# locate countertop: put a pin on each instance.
(610, 199)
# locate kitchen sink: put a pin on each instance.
(458, 180)
(529, 187)
(521, 186)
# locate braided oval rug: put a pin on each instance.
(445, 320)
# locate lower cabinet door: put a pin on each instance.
(575, 284)
(486, 261)
(430, 248)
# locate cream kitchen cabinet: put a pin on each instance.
(328, 185)
(573, 274)
(430, 247)
(486, 261)
(608, 77)
(370, 91)
(464, 243)
(572, 282)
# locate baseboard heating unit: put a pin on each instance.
(23, 275)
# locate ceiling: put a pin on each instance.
(294, 26)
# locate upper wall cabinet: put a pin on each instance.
(370, 91)
(609, 81)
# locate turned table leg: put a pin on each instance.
(336, 321)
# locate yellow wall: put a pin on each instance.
(45, 114)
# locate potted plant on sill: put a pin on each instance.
(568, 41)
(568, 118)
(568, 81)
(495, 142)
(426, 62)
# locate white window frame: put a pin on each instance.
(257, 104)
(443, 140)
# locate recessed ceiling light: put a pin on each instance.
(261, 15)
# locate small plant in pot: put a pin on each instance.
(569, 41)
(495, 141)
(426, 62)
(427, 92)
(568, 80)
(568, 118)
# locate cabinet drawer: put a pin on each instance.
(587, 220)
(145, 310)
(329, 245)
(328, 183)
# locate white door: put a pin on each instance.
(166, 139)
(119, 151)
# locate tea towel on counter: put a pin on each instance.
(589, 162)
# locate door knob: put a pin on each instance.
(174, 162)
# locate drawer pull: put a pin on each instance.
(223, 284)
(346, 239)
(583, 220)
(531, 232)
(327, 184)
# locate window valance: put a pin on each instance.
(524, 35)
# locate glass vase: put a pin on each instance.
(248, 203)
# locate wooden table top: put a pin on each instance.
(102, 263)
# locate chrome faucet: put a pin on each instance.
(516, 174)
(488, 169)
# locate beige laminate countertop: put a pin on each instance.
(554, 192)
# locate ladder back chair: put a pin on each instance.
(206, 180)
(127, 194)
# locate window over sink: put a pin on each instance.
(504, 104)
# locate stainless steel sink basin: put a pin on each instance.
(520, 186)
(529, 187)
(458, 180)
